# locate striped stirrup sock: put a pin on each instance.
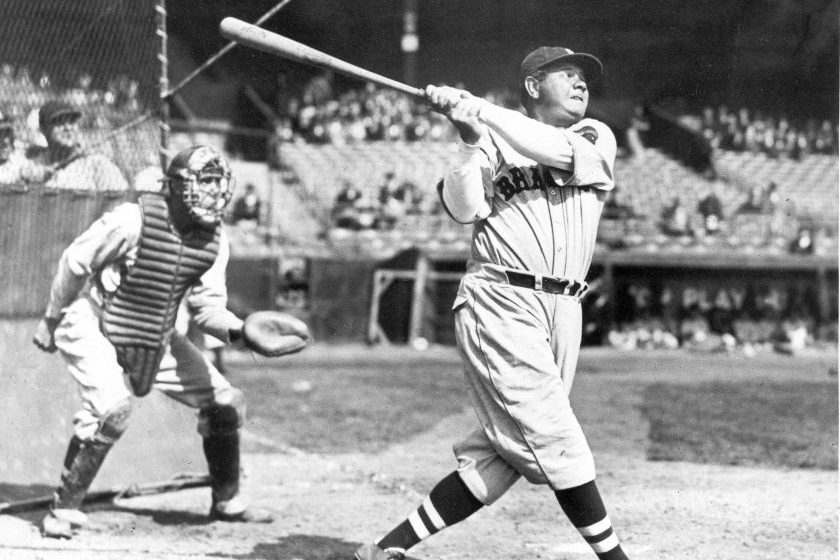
(585, 509)
(448, 503)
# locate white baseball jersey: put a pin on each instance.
(535, 217)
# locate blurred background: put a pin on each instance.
(721, 234)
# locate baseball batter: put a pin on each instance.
(534, 187)
(112, 310)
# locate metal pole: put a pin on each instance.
(418, 298)
(410, 42)
(163, 84)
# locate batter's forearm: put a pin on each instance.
(540, 142)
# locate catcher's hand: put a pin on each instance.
(273, 333)
(44, 337)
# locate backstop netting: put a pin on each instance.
(102, 58)
(98, 55)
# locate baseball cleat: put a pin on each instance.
(62, 523)
(373, 552)
(235, 511)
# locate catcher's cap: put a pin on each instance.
(198, 159)
(54, 109)
(544, 56)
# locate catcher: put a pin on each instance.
(112, 313)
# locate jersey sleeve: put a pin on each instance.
(207, 301)
(593, 155)
(107, 240)
(466, 189)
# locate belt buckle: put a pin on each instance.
(538, 282)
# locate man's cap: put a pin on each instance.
(544, 56)
(54, 109)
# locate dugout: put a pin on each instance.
(412, 293)
(409, 295)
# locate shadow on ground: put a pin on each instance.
(163, 517)
(303, 547)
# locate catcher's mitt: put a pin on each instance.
(273, 333)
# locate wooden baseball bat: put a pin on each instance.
(262, 40)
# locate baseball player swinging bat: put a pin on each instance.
(262, 40)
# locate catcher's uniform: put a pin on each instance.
(98, 260)
(518, 313)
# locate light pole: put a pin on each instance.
(410, 42)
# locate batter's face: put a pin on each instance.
(63, 132)
(563, 95)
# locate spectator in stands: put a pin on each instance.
(64, 164)
(636, 133)
(12, 163)
(825, 141)
(392, 203)
(755, 202)
(711, 209)
(247, 207)
(348, 210)
(804, 242)
(771, 198)
(791, 335)
(675, 220)
(413, 198)
(615, 207)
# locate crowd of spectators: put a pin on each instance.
(753, 131)
(47, 132)
(392, 201)
(61, 163)
(320, 114)
(105, 107)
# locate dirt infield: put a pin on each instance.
(327, 503)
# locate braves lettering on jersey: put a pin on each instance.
(540, 219)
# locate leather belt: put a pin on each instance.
(548, 284)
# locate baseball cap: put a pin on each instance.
(543, 56)
(54, 109)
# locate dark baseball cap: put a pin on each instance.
(54, 109)
(544, 56)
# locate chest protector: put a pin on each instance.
(139, 317)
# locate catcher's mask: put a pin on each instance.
(201, 177)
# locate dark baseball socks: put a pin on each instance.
(585, 509)
(450, 502)
(447, 504)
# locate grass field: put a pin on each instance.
(719, 409)
(744, 423)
